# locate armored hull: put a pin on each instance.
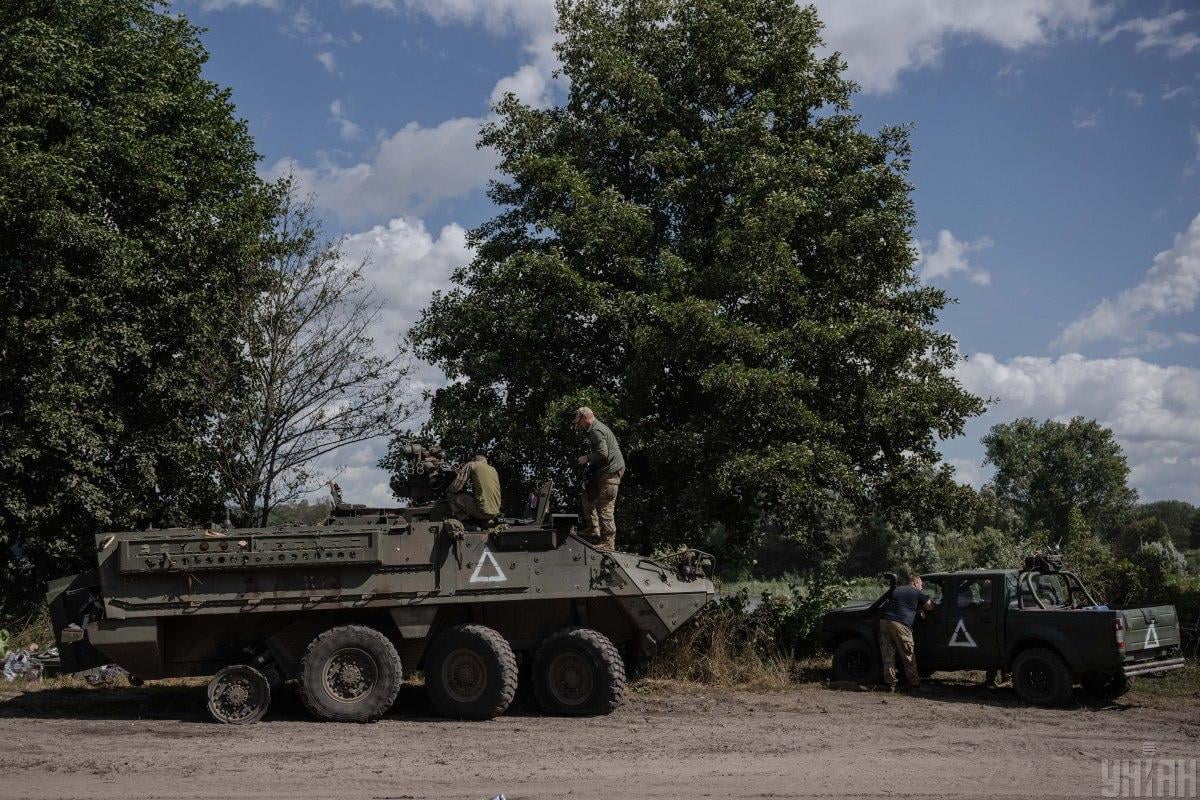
(348, 607)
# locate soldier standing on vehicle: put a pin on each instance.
(895, 631)
(484, 504)
(605, 467)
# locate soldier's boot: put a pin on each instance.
(607, 542)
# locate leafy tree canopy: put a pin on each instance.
(704, 247)
(1048, 469)
(132, 217)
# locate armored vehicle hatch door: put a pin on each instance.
(483, 570)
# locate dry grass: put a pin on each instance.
(33, 629)
(716, 655)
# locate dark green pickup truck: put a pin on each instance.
(1041, 624)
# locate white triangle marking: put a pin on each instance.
(486, 557)
(1151, 636)
(956, 642)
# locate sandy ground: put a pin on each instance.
(959, 740)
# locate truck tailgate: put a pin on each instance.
(1149, 629)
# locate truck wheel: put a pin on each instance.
(1041, 677)
(578, 672)
(238, 695)
(350, 673)
(856, 661)
(471, 673)
(1107, 685)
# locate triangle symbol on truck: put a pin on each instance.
(966, 641)
(488, 569)
(1151, 636)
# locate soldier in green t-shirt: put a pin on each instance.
(484, 502)
(605, 467)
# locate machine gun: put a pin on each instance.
(424, 475)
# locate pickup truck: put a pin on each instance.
(1040, 624)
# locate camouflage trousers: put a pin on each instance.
(895, 638)
(599, 503)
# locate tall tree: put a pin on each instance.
(1049, 469)
(317, 382)
(132, 220)
(704, 247)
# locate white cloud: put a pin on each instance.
(1087, 119)
(1159, 32)
(880, 41)
(1153, 410)
(1170, 93)
(1170, 288)
(406, 265)
(410, 171)
(328, 60)
(1135, 97)
(950, 257)
(347, 128)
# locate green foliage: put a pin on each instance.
(132, 217)
(1181, 519)
(1048, 470)
(704, 247)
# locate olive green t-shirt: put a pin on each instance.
(485, 482)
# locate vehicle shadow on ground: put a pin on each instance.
(188, 704)
(958, 691)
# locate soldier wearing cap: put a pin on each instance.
(605, 467)
(483, 504)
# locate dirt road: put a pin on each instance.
(957, 741)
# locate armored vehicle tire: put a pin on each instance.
(1107, 685)
(857, 661)
(238, 695)
(578, 672)
(471, 673)
(350, 673)
(1040, 676)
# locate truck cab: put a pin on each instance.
(1039, 623)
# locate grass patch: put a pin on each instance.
(1180, 683)
(33, 629)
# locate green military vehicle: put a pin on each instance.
(1040, 623)
(345, 609)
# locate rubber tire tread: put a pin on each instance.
(505, 662)
(367, 638)
(610, 684)
(262, 712)
(1062, 676)
(874, 674)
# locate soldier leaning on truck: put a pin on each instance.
(895, 631)
(605, 467)
(484, 504)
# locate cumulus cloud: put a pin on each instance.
(1170, 288)
(1153, 410)
(1085, 118)
(221, 5)
(1164, 32)
(347, 128)
(950, 257)
(880, 41)
(408, 172)
(328, 60)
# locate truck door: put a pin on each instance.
(930, 632)
(974, 635)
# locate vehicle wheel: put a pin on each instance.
(1107, 685)
(577, 672)
(1041, 677)
(471, 673)
(350, 673)
(857, 661)
(238, 695)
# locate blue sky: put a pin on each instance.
(1056, 165)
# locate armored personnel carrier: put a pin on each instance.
(347, 608)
